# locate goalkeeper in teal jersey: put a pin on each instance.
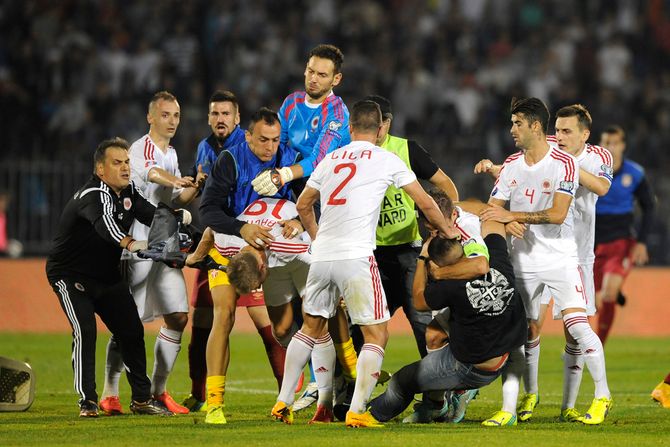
(314, 122)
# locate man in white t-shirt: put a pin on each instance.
(350, 182)
(540, 182)
(158, 289)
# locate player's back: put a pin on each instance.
(352, 181)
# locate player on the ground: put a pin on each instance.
(158, 290)
(540, 183)
(486, 324)
(351, 183)
(224, 120)
(618, 245)
(227, 194)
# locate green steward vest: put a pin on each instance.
(397, 220)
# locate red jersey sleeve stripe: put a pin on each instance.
(568, 162)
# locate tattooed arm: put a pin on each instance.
(554, 215)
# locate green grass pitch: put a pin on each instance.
(634, 367)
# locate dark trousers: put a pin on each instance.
(81, 299)
(397, 265)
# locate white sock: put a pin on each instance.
(532, 349)
(297, 355)
(367, 372)
(592, 349)
(323, 360)
(573, 367)
(113, 369)
(511, 378)
(168, 345)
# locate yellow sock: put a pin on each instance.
(216, 387)
(346, 354)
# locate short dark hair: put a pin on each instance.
(244, 272)
(331, 52)
(101, 150)
(268, 116)
(224, 96)
(443, 251)
(443, 201)
(616, 130)
(532, 109)
(384, 105)
(163, 95)
(365, 117)
(578, 110)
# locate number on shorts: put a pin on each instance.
(332, 200)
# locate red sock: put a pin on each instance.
(605, 319)
(276, 353)
(667, 379)
(197, 361)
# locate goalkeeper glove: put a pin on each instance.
(268, 182)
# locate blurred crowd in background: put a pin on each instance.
(74, 72)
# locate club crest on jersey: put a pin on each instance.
(334, 126)
(315, 122)
(626, 180)
(546, 185)
(127, 203)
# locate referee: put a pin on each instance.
(83, 269)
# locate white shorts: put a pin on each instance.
(563, 284)
(357, 280)
(586, 272)
(285, 282)
(157, 289)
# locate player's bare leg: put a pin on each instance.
(224, 298)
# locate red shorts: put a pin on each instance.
(202, 297)
(613, 257)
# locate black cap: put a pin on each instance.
(384, 105)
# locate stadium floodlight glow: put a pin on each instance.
(17, 385)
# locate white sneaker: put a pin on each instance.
(308, 397)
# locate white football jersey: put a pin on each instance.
(597, 161)
(471, 234)
(144, 155)
(352, 181)
(268, 212)
(532, 188)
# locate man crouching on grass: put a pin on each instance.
(487, 326)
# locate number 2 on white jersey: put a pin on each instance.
(332, 199)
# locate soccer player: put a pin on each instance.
(573, 125)
(224, 120)
(314, 122)
(83, 270)
(540, 183)
(350, 182)
(618, 245)
(158, 289)
(227, 194)
(487, 330)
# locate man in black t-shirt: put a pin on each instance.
(487, 326)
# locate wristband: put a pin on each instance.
(423, 258)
